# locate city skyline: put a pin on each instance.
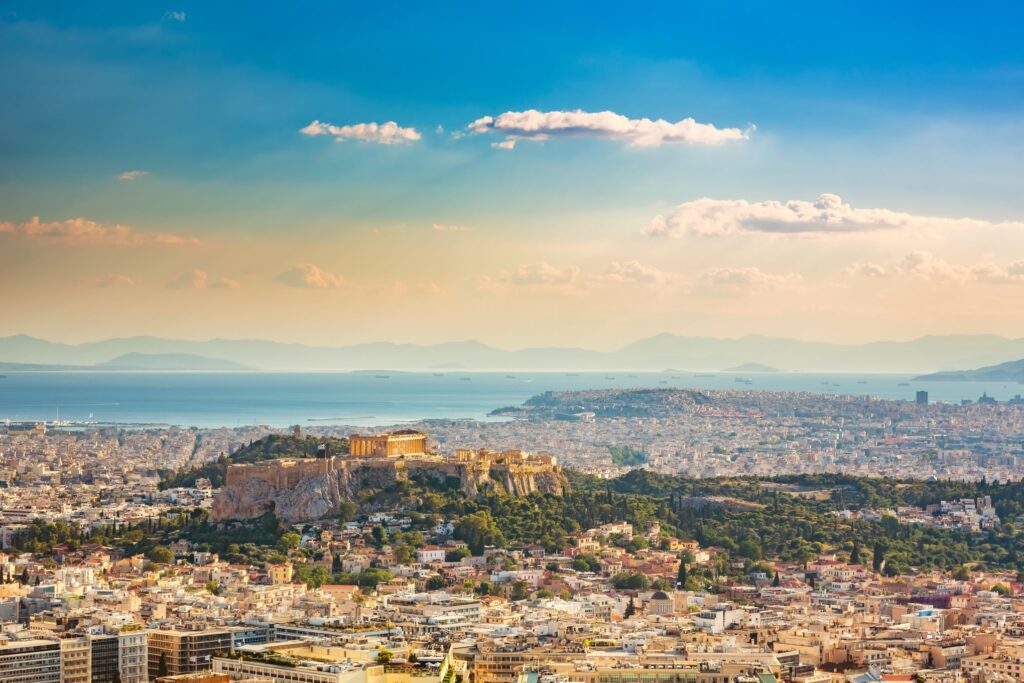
(365, 174)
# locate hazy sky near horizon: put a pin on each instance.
(539, 174)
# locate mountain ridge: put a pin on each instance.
(928, 354)
(1010, 371)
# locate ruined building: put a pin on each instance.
(301, 489)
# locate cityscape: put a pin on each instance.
(537, 343)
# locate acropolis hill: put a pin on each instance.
(302, 489)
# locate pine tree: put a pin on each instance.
(161, 667)
(776, 581)
(878, 557)
(630, 609)
(855, 553)
(682, 576)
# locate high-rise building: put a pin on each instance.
(76, 659)
(922, 398)
(185, 651)
(32, 660)
(104, 658)
(132, 650)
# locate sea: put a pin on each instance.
(212, 399)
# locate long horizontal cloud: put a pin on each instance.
(310, 276)
(543, 273)
(743, 279)
(200, 279)
(634, 272)
(538, 274)
(108, 280)
(542, 125)
(927, 266)
(389, 133)
(81, 231)
(827, 214)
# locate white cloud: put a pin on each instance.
(540, 273)
(107, 280)
(736, 280)
(175, 16)
(389, 133)
(927, 266)
(634, 272)
(999, 275)
(310, 276)
(825, 215)
(440, 227)
(81, 231)
(866, 269)
(200, 279)
(541, 125)
(543, 273)
(132, 175)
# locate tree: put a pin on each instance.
(384, 655)
(347, 511)
(403, 553)
(161, 555)
(380, 535)
(628, 581)
(479, 530)
(878, 557)
(520, 591)
(289, 541)
(682, 576)
(776, 581)
(161, 666)
(586, 563)
(630, 608)
(456, 554)
(436, 583)
(372, 576)
(855, 553)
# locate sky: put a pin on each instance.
(571, 174)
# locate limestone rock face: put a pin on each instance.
(307, 489)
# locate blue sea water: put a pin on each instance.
(367, 399)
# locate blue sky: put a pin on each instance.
(909, 107)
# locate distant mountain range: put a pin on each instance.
(923, 355)
(168, 361)
(751, 367)
(129, 362)
(1013, 371)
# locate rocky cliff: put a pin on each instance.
(307, 489)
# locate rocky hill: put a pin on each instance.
(302, 489)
